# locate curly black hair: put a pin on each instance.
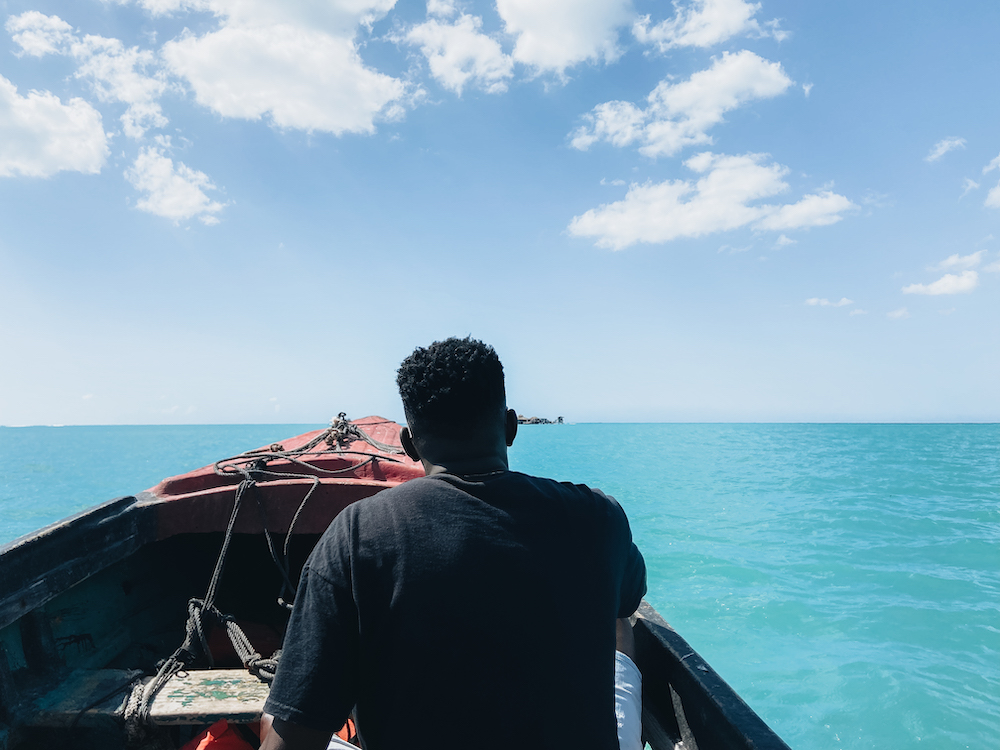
(455, 385)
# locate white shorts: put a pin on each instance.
(628, 702)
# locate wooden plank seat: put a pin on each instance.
(86, 697)
(206, 695)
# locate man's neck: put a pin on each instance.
(466, 466)
(484, 452)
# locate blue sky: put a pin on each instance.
(251, 211)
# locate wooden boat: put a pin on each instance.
(90, 607)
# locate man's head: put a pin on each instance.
(454, 399)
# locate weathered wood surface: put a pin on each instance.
(655, 736)
(91, 697)
(205, 696)
(83, 697)
(36, 568)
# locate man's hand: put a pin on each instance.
(276, 734)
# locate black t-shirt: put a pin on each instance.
(474, 612)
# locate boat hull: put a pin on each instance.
(89, 604)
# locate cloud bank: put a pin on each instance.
(41, 136)
(680, 114)
(705, 23)
(114, 72)
(458, 53)
(947, 284)
(173, 191)
(957, 261)
(553, 35)
(720, 200)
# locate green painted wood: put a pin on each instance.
(97, 697)
(205, 696)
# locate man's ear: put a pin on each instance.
(406, 440)
(510, 428)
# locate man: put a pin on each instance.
(473, 608)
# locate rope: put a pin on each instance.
(343, 432)
(196, 640)
(251, 465)
(133, 675)
(202, 613)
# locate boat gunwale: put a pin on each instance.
(705, 706)
(43, 564)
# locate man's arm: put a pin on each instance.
(624, 639)
(284, 735)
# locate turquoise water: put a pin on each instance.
(845, 579)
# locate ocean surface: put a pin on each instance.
(844, 579)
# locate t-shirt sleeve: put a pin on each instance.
(317, 677)
(633, 582)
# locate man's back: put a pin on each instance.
(465, 612)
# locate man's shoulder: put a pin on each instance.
(376, 510)
(581, 492)
(413, 499)
(505, 481)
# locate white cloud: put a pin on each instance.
(459, 52)
(116, 73)
(38, 34)
(296, 61)
(704, 23)
(165, 7)
(827, 303)
(807, 87)
(957, 261)
(899, 314)
(993, 267)
(40, 136)
(553, 35)
(993, 197)
(943, 146)
(301, 77)
(782, 241)
(175, 192)
(718, 201)
(337, 17)
(815, 210)
(621, 123)
(857, 311)
(680, 114)
(442, 8)
(947, 284)
(968, 186)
